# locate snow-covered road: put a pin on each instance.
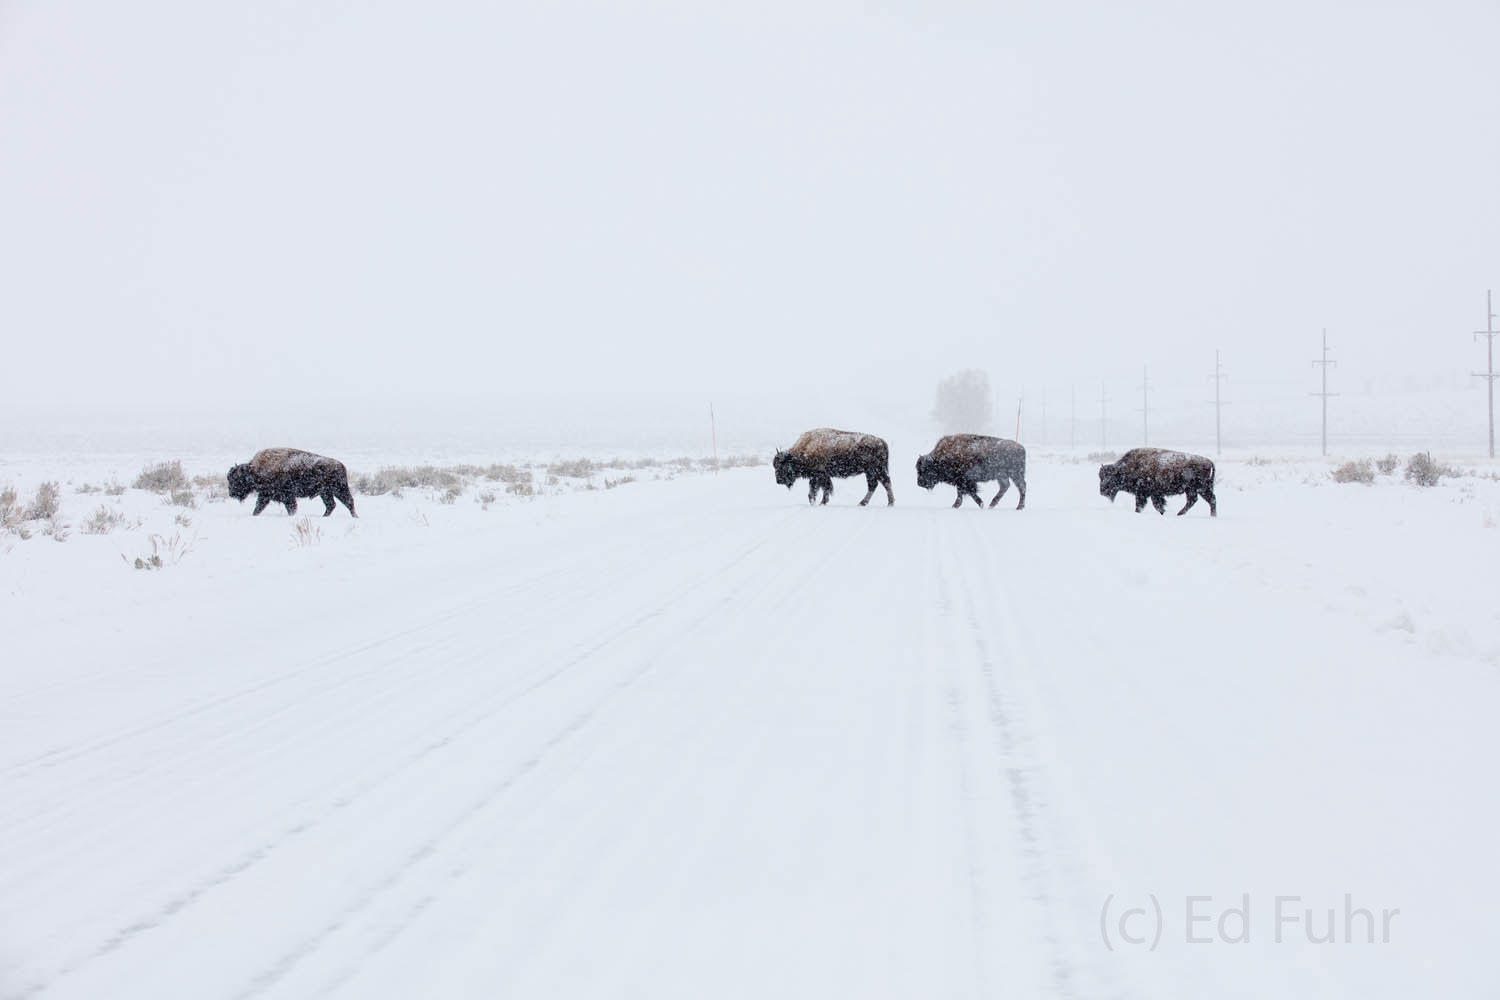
(696, 739)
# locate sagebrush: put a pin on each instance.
(162, 477)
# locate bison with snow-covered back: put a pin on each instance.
(821, 455)
(1155, 474)
(966, 460)
(281, 475)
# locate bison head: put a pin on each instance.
(242, 482)
(1110, 483)
(927, 475)
(786, 469)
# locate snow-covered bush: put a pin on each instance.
(1355, 472)
(182, 498)
(1422, 470)
(392, 479)
(104, 520)
(577, 468)
(1387, 465)
(56, 528)
(45, 503)
(508, 473)
(162, 477)
(12, 519)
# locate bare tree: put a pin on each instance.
(964, 402)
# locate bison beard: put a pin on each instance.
(281, 475)
(966, 460)
(820, 455)
(1154, 474)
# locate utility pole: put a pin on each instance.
(1145, 407)
(1218, 377)
(1489, 375)
(1325, 363)
(1020, 401)
(713, 427)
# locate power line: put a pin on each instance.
(1218, 376)
(1489, 376)
(1325, 393)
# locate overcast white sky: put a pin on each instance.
(249, 201)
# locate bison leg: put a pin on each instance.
(1140, 502)
(1192, 498)
(827, 490)
(970, 488)
(871, 482)
(890, 498)
(1004, 485)
(261, 503)
(1021, 486)
(812, 491)
(1213, 504)
(327, 497)
(290, 503)
(346, 498)
(1160, 503)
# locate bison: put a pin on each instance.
(1155, 474)
(819, 455)
(966, 460)
(281, 475)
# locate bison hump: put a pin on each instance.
(279, 461)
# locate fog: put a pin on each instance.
(604, 217)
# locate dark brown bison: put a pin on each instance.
(820, 455)
(966, 460)
(1155, 474)
(281, 475)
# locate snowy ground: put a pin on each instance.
(691, 738)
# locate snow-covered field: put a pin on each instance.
(688, 737)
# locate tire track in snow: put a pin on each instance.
(783, 594)
(430, 847)
(245, 863)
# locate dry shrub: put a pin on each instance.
(521, 489)
(87, 489)
(1387, 465)
(12, 519)
(610, 484)
(577, 468)
(114, 489)
(164, 552)
(742, 462)
(1422, 470)
(450, 495)
(306, 533)
(1355, 472)
(1105, 457)
(162, 477)
(45, 503)
(183, 498)
(56, 528)
(104, 520)
(394, 478)
(508, 474)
